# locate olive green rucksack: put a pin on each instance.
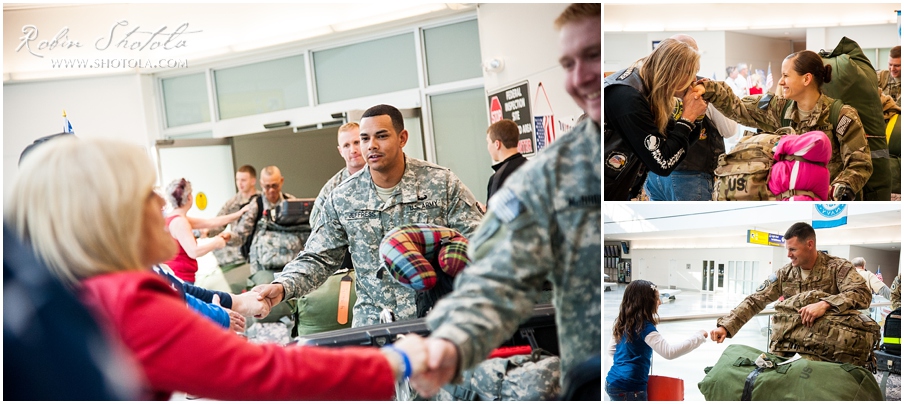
(328, 307)
(736, 376)
(854, 82)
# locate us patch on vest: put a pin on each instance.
(616, 160)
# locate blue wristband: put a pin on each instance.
(405, 360)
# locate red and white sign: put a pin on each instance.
(495, 110)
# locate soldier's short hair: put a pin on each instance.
(347, 127)
(397, 122)
(895, 52)
(248, 169)
(576, 12)
(803, 231)
(505, 131)
(859, 262)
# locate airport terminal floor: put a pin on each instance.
(676, 329)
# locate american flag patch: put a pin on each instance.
(843, 124)
(506, 205)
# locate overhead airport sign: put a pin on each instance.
(763, 238)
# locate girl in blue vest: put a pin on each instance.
(634, 340)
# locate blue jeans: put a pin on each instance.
(624, 395)
(680, 186)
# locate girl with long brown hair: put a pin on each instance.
(634, 338)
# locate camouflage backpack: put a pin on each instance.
(274, 246)
(531, 377)
(743, 173)
(847, 337)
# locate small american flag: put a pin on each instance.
(549, 128)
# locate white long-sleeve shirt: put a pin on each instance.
(663, 348)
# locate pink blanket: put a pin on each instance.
(809, 175)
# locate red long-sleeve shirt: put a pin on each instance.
(178, 350)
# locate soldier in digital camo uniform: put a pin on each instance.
(245, 180)
(545, 223)
(810, 270)
(850, 166)
(394, 190)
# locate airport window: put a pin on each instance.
(257, 88)
(459, 129)
(368, 68)
(452, 52)
(185, 100)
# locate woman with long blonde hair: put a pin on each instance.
(643, 130)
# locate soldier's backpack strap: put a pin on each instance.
(791, 192)
(834, 113)
(246, 246)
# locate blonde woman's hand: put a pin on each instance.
(694, 105)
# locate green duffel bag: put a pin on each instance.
(854, 82)
(737, 377)
(328, 307)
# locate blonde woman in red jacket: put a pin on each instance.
(89, 211)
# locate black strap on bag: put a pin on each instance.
(246, 246)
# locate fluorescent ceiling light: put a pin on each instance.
(388, 17)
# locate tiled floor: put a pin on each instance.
(690, 367)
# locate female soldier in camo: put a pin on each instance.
(805, 108)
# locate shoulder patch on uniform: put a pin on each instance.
(651, 142)
(506, 205)
(626, 73)
(771, 279)
(764, 101)
(616, 160)
(843, 124)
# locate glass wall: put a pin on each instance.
(274, 85)
(459, 130)
(185, 100)
(367, 68)
(452, 52)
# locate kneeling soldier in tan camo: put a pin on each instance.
(818, 317)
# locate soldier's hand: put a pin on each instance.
(842, 192)
(272, 293)
(442, 362)
(250, 304)
(718, 334)
(694, 106)
(811, 312)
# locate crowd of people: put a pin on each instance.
(108, 237)
(661, 146)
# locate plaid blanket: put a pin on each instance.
(413, 252)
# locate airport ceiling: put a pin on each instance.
(781, 21)
(875, 226)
